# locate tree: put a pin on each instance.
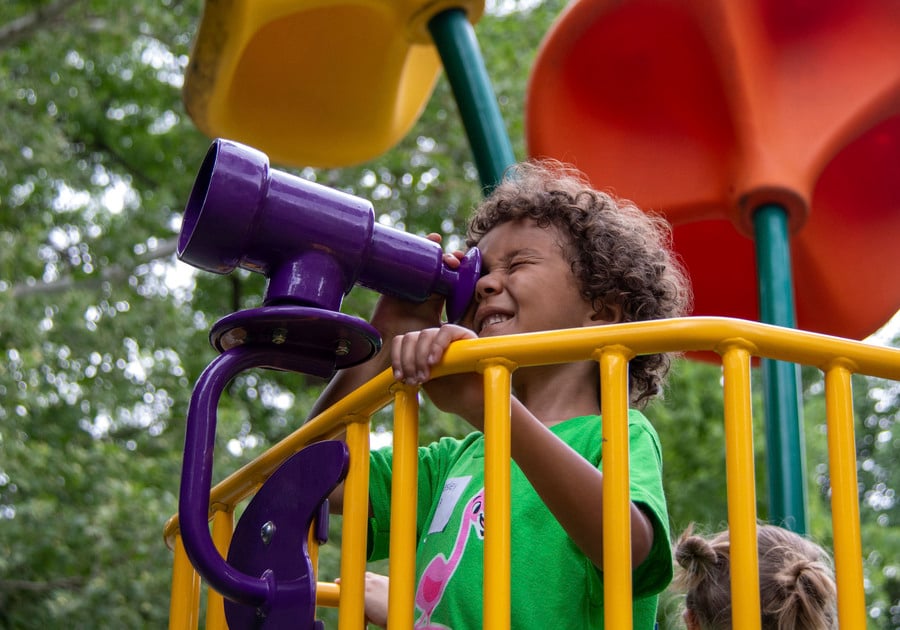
(103, 333)
(93, 156)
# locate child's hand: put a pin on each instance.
(392, 317)
(415, 353)
(376, 598)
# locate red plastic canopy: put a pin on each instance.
(704, 110)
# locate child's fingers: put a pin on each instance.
(406, 352)
(415, 357)
(414, 354)
(409, 356)
(397, 355)
(446, 334)
(452, 261)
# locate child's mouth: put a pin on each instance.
(491, 320)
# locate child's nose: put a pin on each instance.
(488, 284)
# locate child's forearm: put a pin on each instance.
(347, 380)
(391, 317)
(571, 487)
(343, 383)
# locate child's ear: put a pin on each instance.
(690, 619)
(605, 313)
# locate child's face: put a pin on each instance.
(527, 285)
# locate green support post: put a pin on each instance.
(461, 56)
(785, 448)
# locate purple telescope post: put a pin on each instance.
(268, 577)
(313, 244)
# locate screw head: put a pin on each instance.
(267, 531)
(234, 337)
(279, 336)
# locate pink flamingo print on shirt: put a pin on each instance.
(437, 574)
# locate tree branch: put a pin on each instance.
(100, 145)
(113, 273)
(15, 31)
(68, 583)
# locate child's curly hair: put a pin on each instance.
(620, 254)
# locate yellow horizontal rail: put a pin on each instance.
(686, 334)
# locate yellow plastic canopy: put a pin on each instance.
(320, 83)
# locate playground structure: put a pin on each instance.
(766, 190)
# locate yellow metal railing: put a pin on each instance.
(736, 341)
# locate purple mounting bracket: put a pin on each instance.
(275, 592)
(314, 340)
(312, 242)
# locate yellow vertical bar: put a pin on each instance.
(844, 498)
(617, 594)
(312, 546)
(496, 497)
(404, 489)
(351, 613)
(222, 530)
(740, 475)
(184, 607)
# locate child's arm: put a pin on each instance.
(391, 317)
(571, 487)
(560, 476)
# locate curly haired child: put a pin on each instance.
(556, 254)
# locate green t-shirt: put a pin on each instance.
(553, 583)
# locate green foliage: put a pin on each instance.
(103, 333)
(690, 421)
(875, 405)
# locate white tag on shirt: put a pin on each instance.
(450, 495)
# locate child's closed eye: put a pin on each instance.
(518, 263)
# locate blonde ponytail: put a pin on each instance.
(797, 588)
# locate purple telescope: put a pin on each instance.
(313, 243)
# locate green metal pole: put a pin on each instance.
(786, 453)
(456, 43)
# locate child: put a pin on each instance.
(556, 254)
(796, 581)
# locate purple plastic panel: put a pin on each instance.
(312, 242)
(271, 538)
